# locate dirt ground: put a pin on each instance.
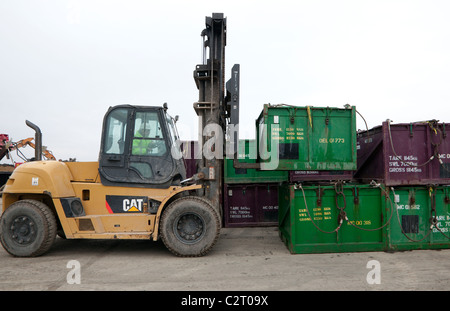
(244, 259)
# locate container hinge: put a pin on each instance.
(319, 193)
(356, 196)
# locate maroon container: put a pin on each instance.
(250, 205)
(189, 149)
(305, 176)
(419, 154)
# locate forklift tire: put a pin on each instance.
(190, 227)
(27, 228)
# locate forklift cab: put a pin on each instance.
(139, 149)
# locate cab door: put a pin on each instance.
(115, 145)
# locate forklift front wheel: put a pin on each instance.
(190, 227)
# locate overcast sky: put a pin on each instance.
(64, 62)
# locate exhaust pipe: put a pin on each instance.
(37, 140)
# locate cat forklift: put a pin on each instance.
(138, 187)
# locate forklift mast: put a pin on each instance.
(211, 107)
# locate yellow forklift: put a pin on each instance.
(138, 188)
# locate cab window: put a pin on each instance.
(116, 129)
(148, 138)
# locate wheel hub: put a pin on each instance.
(23, 230)
(189, 228)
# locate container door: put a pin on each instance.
(240, 209)
(267, 204)
(410, 224)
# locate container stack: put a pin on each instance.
(412, 160)
(250, 195)
(382, 189)
(321, 209)
(330, 188)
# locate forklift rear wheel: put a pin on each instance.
(190, 227)
(27, 228)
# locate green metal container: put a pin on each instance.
(421, 218)
(247, 154)
(309, 218)
(309, 138)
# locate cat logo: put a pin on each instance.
(132, 205)
(126, 204)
